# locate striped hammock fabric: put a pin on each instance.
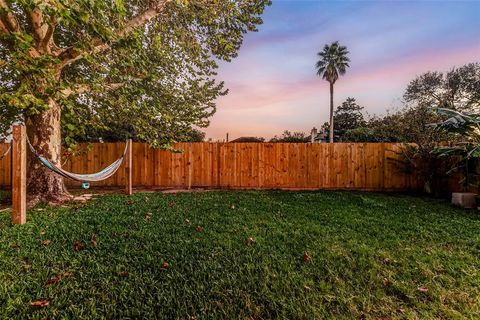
(93, 177)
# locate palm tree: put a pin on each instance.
(332, 63)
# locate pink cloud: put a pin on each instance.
(266, 103)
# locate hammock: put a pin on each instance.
(6, 152)
(84, 178)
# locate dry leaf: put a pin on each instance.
(172, 204)
(421, 289)
(386, 260)
(148, 216)
(232, 207)
(250, 241)
(165, 265)
(42, 232)
(187, 221)
(93, 241)
(469, 301)
(386, 282)
(199, 229)
(53, 280)
(78, 245)
(26, 267)
(307, 289)
(123, 274)
(46, 242)
(306, 257)
(66, 274)
(401, 310)
(40, 303)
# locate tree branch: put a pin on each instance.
(43, 31)
(9, 19)
(48, 38)
(3, 28)
(38, 25)
(138, 21)
(86, 88)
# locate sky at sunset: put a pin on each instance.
(273, 84)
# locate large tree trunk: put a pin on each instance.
(331, 112)
(44, 133)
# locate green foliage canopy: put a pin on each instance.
(465, 128)
(458, 89)
(289, 136)
(333, 62)
(151, 64)
(347, 116)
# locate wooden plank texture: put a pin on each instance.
(19, 175)
(362, 166)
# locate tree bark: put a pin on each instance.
(44, 133)
(331, 112)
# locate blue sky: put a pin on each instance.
(273, 85)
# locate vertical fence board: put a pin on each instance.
(370, 166)
(5, 165)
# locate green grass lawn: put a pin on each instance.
(372, 256)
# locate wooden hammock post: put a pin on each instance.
(19, 175)
(128, 169)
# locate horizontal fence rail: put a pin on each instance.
(363, 166)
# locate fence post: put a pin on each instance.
(19, 175)
(128, 169)
(190, 165)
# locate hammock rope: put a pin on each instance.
(6, 152)
(92, 177)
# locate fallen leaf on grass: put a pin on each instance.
(165, 265)
(386, 282)
(306, 257)
(66, 274)
(46, 242)
(78, 245)
(123, 274)
(26, 267)
(42, 232)
(232, 207)
(40, 303)
(53, 280)
(421, 289)
(148, 216)
(307, 289)
(469, 301)
(199, 229)
(93, 241)
(172, 204)
(130, 202)
(401, 310)
(187, 221)
(39, 209)
(386, 260)
(250, 241)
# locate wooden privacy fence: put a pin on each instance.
(365, 166)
